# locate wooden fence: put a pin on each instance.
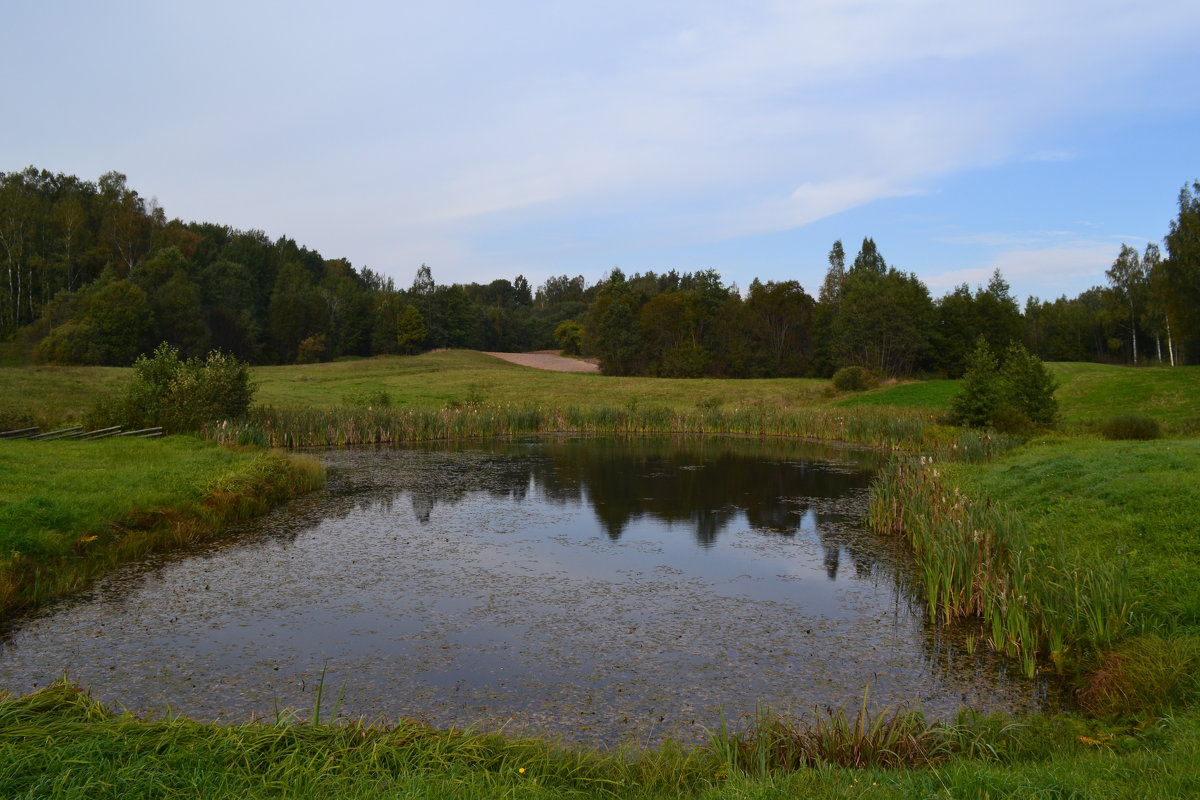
(36, 434)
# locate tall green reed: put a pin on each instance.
(976, 561)
(355, 425)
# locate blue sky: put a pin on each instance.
(546, 138)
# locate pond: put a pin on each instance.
(601, 590)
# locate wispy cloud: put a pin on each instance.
(1047, 272)
(446, 125)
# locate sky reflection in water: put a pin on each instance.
(597, 589)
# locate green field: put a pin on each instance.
(435, 380)
(1133, 507)
(1087, 392)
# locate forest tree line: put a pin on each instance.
(93, 273)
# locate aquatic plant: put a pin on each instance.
(975, 560)
(292, 427)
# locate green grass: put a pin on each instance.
(1089, 393)
(49, 396)
(915, 394)
(59, 744)
(1094, 392)
(457, 377)
(70, 510)
(1063, 547)
(1098, 502)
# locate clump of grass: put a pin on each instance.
(1188, 427)
(377, 398)
(1146, 675)
(893, 738)
(1131, 427)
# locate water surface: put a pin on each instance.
(594, 589)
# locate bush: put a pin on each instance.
(1007, 419)
(184, 395)
(1131, 426)
(569, 335)
(851, 379)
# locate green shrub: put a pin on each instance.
(851, 379)
(1131, 426)
(1007, 419)
(184, 395)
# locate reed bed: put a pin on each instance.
(975, 561)
(343, 426)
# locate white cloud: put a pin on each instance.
(1064, 269)
(452, 122)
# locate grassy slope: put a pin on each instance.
(1131, 502)
(1097, 391)
(434, 380)
(49, 395)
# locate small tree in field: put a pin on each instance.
(979, 397)
(1027, 386)
(410, 330)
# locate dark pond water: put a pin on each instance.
(595, 589)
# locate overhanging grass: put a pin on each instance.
(1064, 548)
(70, 510)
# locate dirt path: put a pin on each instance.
(547, 360)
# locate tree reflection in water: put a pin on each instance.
(705, 484)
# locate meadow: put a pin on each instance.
(1094, 542)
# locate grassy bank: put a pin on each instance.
(69, 511)
(98, 754)
(1069, 549)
